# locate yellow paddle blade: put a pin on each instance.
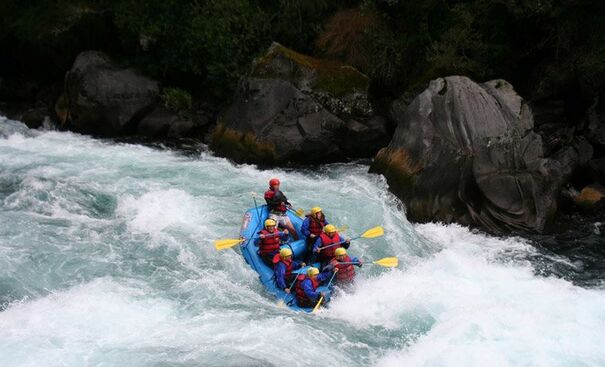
(387, 262)
(318, 304)
(223, 244)
(373, 232)
(300, 212)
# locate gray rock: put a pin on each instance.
(594, 126)
(294, 108)
(466, 152)
(597, 170)
(105, 99)
(34, 117)
(157, 123)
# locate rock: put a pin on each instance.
(597, 170)
(157, 123)
(105, 99)
(34, 117)
(295, 108)
(594, 126)
(467, 153)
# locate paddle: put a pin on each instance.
(322, 297)
(227, 243)
(370, 233)
(281, 302)
(387, 262)
(230, 242)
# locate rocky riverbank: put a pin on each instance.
(461, 151)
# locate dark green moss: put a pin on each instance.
(242, 147)
(331, 77)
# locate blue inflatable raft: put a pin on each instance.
(252, 224)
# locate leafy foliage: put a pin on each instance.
(545, 48)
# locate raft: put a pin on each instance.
(254, 219)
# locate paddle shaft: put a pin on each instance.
(322, 297)
(339, 243)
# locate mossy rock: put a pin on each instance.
(242, 146)
(319, 75)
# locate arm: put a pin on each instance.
(284, 236)
(280, 271)
(356, 260)
(317, 244)
(284, 199)
(308, 288)
(305, 227)
(325, 275)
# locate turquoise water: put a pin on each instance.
(106, 259)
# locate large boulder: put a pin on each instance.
(105, 99)
(594, 125)
(466, 152)
(295, 108)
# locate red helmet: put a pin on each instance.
(273, 182)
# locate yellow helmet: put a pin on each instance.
(312, 271)
(315, 210)
(340, 251)
(270, 222)
(329, 228)
(285, 252)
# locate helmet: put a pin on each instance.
(330, 228)
(340, 251)
(312, 271)
(285, 252)
(270, 222)
(273, 182)
(315, 210)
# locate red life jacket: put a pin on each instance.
(316, 226)
(281, 207)
(277, 259)
(346, 272)
(326, 241)
(269, 245)
(301, 296)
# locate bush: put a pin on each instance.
(176, 100)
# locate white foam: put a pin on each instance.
(480, 311)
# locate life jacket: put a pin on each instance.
(301, 296)
(277, 259)
(281, 207)
(316, 226)
(326, 241)
(269, 245)
(346, 272)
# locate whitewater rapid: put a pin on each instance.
(106, 259)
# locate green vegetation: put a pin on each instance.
(545, 48)
(332, 77)
(176, 99)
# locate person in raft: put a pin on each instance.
(345, 266)
(278, 206)
(306, 287)
(326, 244)
(311, 228)
(282, 268)
(270, 241)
